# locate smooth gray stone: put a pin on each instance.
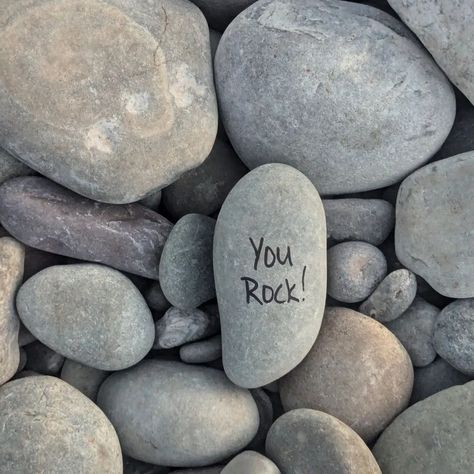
(10, 167)
(357, 371)
(392, 297)
(132, 466)
(185, 272)
(250, 462)
(155, 298)
(270, 273)
(434, 222)
(178, 327)
(369, 220)
(201, 352)
(173, 414)
(220, 13)
(345, 93)
(355, 269)
(152, 201)
(85, 379)
(433, 436)
(265, 411)
(42, 359)
(435, 377)
(309, 441)
(204, 189)
(50, 427)
(453, 337)
(89, 313)
(12, 257)
(446, 30)
(414, 329)
(46, 216)
(111, 120)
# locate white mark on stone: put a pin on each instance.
(137, 103)
(185, 87)
(103, 135)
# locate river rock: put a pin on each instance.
(12, 255)
(186, 274)
(270, 273)
(152, 201)
(250, 462)
(357, 371)
(203, 189)
(354, 271)
(173, 414)
(434, 219)
(345, 93)
(201, 352)
(44, 215)
(42, 359)
(177, 327)
(89, 313)
(414, 329)
(50, 427)
(265, 411)
(11, 167)
(155, 298)
(85, 379)
(433, 436)
(219, 14)
(369, 220)
(392, 297)
(453, 337)
(111, 120)
(309, 441)
(25, 337)
(446, 30)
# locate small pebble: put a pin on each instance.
(86, 379)
(201, 352)
(250, 462)
(265, 411)
(42, 359)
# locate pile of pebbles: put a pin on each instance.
(237, 237)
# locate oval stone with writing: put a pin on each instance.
(270, 273)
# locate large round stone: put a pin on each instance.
(173, 414)
(345, 94)
(50, 427)
(270, 273)
(116, 98)
(88, 313)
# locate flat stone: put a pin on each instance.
(434, 435)
(203, 189)
(309, 441)
(178, 415)
(414, 329)
(10, 167)
(201, 352)
(453, 337)
(445, 28)
(185, 271)
(46, 216)
(357, 371)
(250, 462)
(111, 120)
(355, 269)
(85, 379)
(89, 313)
(434, 222)
(51, 427)
(270, 273)
(42, 359)
(368, 220)
(345, 93)
(12, 255)
(392, 297)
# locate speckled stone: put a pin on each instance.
(219, 14)
(201, 352)
(250, 462)
(85, 379)
(46, 216)
(42, 359)
(50, 427)
(10, 167)
(345, 93)
(111, 120)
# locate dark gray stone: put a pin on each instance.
(111, 120)
(186, 273)
(345, 93)
(202, 351)
(220, 13)
(355, 269)
(86, 379)
(42, 359)
(214, 37)
(37, 260)
(453, 337)
(89, 313)
(392, 297)
(414, 329)
(250, 462)
(44, 215)
(270, 273)
(433, 436)
(152, 201)
(11, 167)
(173, 414)
(23, 360)
(369, 220)
(357, 371)
(50, 427)
(434, 222)
(204, 189)
(309, 441)
(132, 466)
(25, 337)
(155, 298)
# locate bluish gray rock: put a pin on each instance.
(201, 352)
(82, 377)
(250, 462)
(270, 273)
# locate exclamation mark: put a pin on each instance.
(302, 279)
